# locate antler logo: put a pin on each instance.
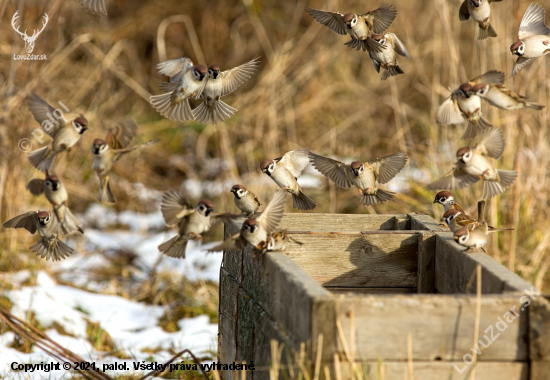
(29, 41)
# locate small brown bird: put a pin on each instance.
(49, 246)
(462, 105)
(362, 175)
(245, 200)
(56, 194)
(499, 96)
(359, 27)
(94, 6)
(65, 130)
(277, 241)
(191, 222)
(285, 170)
(387, 58)
(256, 232)
(446, 199)
(480, 10)
(456, 220)
(107, 152)
(473, 164)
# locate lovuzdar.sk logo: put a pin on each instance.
(29, 40)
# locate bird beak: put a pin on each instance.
(435, 200)
(456, 238)
(442, 219)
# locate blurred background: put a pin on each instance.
(310, 91)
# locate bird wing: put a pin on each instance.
(174, 68)
(273, 213)
(457, 179)
(334, 21)
(521, 63)
(374, 62)
(174, 207)
(26, 221)
(491, 143)
(380, 19)
(335, 170)
(533, 23)
(295, 161)
(234, 242)
(36, 186)
(120, 136)
(43, 113)
(387, 167)
(231, 79)
(448, 112)
(490, 77)
(464, 13)
(398, 45)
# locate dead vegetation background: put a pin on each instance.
(310, 91)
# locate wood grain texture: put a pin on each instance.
(539, 331)
(442, 326)
(426, 262)
(373, 260)
(425, 222)
(359, 290)
(454, 268)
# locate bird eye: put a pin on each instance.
(443, 199)
(47, 183)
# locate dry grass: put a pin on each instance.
(311, 91)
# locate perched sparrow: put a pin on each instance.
(462, 105)
(472, 239)
(387, 58)
(245, 200)
(499, 96)
(221, 84)
(359, 27)
(191, 222)
(285, 170)
(94, 6)
(362, 175)
(533, 38)
(57, 195)
(49, 246)
(186, 81)
(473, 164)
(458, 219)
(480, 10)
(107, 152)
(446, 199)
(64, 132)
(256, 232)
(277, 241)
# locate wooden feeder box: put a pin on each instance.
(392, 293)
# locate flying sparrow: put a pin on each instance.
(245, 200)
(473, 164)
(107, 152)
(186, 81)
(49, 246)
(462, 105)
(65, 132)
(191, 222)
(387, 58)
(94, 6)
(56, 194)
(277, 241)
(359, 27)
(285, 170)
(221, 84)
(472, 239)
(533, 38)
(362, 175)
(480, 10)
(499, 96)
(257, 231)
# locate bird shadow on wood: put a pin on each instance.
(377, 267)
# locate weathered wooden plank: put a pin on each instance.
(426, 262)
(373, 260)
(398, 370)
(539, 333)
(360, 290)
(425, 222)
(227, 343)
(442, 327)
(454, 268)
(402, 222)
